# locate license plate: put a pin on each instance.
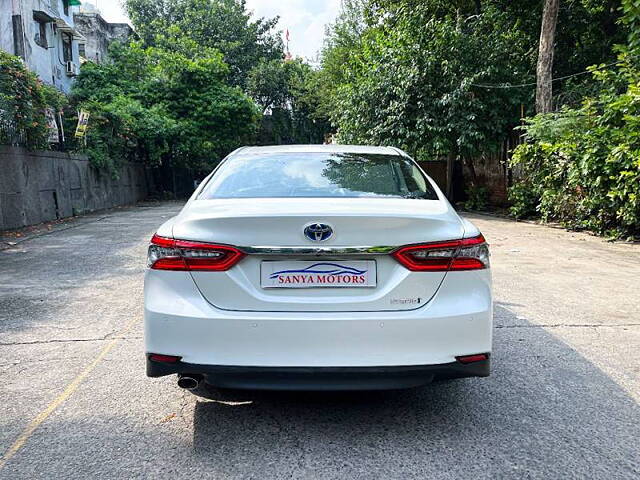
(315, 274)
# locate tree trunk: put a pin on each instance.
(544, 72)
(449, 187)
(472, 170)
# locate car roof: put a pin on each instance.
(320, 148)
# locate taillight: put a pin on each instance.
(169, 254)
(157, 357)
(465, 254)
(480, 357)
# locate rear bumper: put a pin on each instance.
(456, 322)
(320, 378)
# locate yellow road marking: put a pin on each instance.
(60, 399)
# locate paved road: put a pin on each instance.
(562, 401)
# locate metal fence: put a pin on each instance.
(12, 135)
(9, 132)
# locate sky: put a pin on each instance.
(305, 19)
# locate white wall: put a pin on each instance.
(47, 63)
(6, 27)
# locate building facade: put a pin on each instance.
(99, 33)
(43, 34)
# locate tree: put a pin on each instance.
(580, 165)
(269, 84)
(631, 18)
(287, 92)
(343, 42)
(409, 79)
(163, 107)
(544, 71)
(586, 34)
(225, 25)
(451, 79)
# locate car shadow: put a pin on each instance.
(545, 412)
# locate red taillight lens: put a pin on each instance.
(156, 357)
(473, 358)
(465, 254)
(182, 255)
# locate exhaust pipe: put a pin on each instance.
(188, 382)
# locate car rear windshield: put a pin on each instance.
(269, 175)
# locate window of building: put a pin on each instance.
(65, 7)
(67, 51)
(41, 34)
(41, 20)
(82, 50)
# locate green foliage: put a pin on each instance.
(414, 74)
(162, 106)
(311, 124)
(404, 71)
(270, 83)
(253, 52)
(524, 198)
(408, 79)
(581, 167)
(23, 101)
(631, 18)
(288, 94)
(477, 198)
(225, 25)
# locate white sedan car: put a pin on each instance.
(319, 267)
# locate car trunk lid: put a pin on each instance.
(271, 232)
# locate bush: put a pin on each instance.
(524, 199)
(477, 198)
(581, 167)
(23, 102)
(162, 107)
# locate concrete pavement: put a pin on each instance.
(562, 401)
